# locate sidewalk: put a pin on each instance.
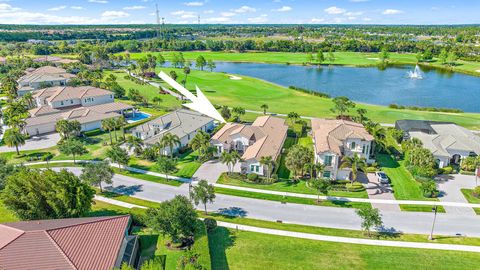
(320, 237)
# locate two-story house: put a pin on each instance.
(334, 139)
(46, 76)
(87, 105)
(264, 137)
(183, 123)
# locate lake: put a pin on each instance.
(371, 85)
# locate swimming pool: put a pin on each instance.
(138, 116)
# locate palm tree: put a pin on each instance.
(13, 137)
(200, 143)
(135, 143)
(169, 140)
(356, 164)
(157, 100)
(17, 122)
(120, 123)
(230, 159)
(309, 167)
(319, 168)
(107, 125)
(264, 108)
(186, 71)
(268, 162)
(29, 100)
(236, 158)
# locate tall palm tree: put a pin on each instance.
(135, 143)
(29, 100)
(200, 143)
(355, 163)
(107, 125)
(264, 108)
(319, 168)
(226, 158)
(268, 162)
(13, 137)
(120, 123)
(236, 158)
(169, 140)
(309, 167)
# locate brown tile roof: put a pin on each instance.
(268, 132)
(82, 243)
(68, 92)
(45, 73)
(329, 134)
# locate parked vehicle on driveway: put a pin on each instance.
(382, 178)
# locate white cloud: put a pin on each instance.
(98, 1)
(260, 19)
(245, 9)
(184, 14)
(283, 9)
(355, 13)
(113, 14)
(218, 20)
(57, 8)
(334, 10)
(317, 20)
(76, 7)
(227, 14)
(194, 4)
(210, 11)
(391, 11)
(134, 8)
(7, 8)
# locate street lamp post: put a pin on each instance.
(434, 209)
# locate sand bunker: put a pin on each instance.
(236, 78)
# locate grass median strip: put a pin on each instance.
(468, 193)
(289, 199)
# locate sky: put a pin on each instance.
(241, 11)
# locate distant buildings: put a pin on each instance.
(265, 137)
(54, 60)
(43, 77)
(448, 142)
(183, 123)
(87, 105)
(100, 243)
(334, 139)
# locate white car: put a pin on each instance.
(382, 178)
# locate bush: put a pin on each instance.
(429, 189)
(476, 192)
(371, 169)
(138, 216)
(467, 172)
(210, 224)
(252, 177)
(446, 170)
(355, 187)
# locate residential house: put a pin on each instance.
(448, 142)
(54, 59)
(100, 243)
(335, 139)
(264, 137)
(87, 105)
(43, 77)
(183, 123)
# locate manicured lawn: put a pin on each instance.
(187, 164)
(404, 186)
(6, 215)
(283, 172)
(288, 186)
(251, 93)
(468, 193)
(232, 249)
(288, 199)
(341, 58)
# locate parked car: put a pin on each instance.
(382, 178)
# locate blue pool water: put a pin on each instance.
(138, 116)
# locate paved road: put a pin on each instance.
(450, 186)
(333, 217)
(42, 142)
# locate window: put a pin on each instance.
(61, 103)
(363, 149)
(71, 101)
(352, 145)
(328, 161)
(327, 174)
(254, 168)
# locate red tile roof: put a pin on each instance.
(81, 243)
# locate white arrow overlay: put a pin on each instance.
(200, 103)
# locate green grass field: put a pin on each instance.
(288, 186)
(341, 58)
(289, 199)
(251, 93)
(231, 249)
(468, 193)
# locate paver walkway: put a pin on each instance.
(450, 186)
(376, 190)
(319, 237)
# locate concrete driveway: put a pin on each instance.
(450, 187)
(376, 190)
(211, 171)
(35, 143)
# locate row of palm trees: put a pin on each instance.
(114, 124)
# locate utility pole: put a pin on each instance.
(434, 209)
(158, 20)
(198, 19)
